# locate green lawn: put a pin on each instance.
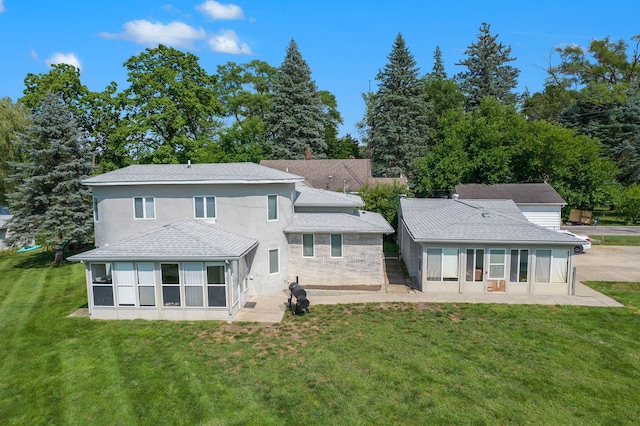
(615, 240)
(351, 364)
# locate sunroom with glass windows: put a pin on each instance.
(183, 271)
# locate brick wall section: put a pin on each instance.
(361, 262)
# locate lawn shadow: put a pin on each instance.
(44, 258)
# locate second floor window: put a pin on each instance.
(144, 208)
(205, 207)
(272, 207)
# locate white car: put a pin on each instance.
(581, 248)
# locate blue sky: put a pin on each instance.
(345, 42)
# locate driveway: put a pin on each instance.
(608, 263)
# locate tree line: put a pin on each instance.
(581, 134)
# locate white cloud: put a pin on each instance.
(215, 10)
(228, 42)
(176, 34)
(1, 6)
(34, 54)
(63, 58)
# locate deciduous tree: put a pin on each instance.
(13, 121)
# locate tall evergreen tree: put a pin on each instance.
(488, 71)
(296, 121)
(438, 65)
(49, 202)
(397, 115)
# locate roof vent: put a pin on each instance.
(486, 214)
(455, 196)
(188, 164)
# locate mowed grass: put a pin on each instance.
(615, 240)
(342, 364)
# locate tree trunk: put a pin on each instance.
(59, 251)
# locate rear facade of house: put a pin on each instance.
(193, 241)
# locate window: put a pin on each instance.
(336, 245)
(96, 216)
(205, 207)
(272, 207)
(146, 284)
(496, 264)
(475, 265)
(193, 284)
(519, 270)
(442, 264)
(170, 284)
(552, 266)
(274, 262)
(307, 245)
(125, 283)
(216, 290)
(102, 284)
(144, 208)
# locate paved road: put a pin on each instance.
(594, 231)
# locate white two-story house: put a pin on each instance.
(178, 241)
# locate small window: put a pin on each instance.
(96, 215)
(274, 262)
(336, 245)
(102, 286)
(205, 207)
(272, 207)
(307, 245)
(144, 208)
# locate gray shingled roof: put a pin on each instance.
(186, 240)
(307, 196)
(521, 193)
(347, 175)
(447, 220)
(363, 222)
(193, 173)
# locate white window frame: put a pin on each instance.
(204, 207)
(475, 257)
(516, 270)
(179, 284)
(331, 246)
(269, 197)
(313, 245)
(145, 213)
(96, 213)
(555, 262)
(277, 252)
(108, 283)
(125, 282)
(145, 285)
(216, 285)
(503, 264)
(446, 263)
(193, 278)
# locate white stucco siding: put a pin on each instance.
(547, 216)
(240, 209)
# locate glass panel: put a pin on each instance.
(170, 273)
(211, 206)
(126, 295)
(193, 273)
(450, 264)
(102, 295)
(124, 273)
(101, 273)
(272, 201)
(273, 261)
(215, 274)
(434, 264)
(307, 245)
(523, 277)
(470, 265)
(496, 264)
(199, 207)
(147, 296)
(559, 266)
(496, 256)
(216, 296)
(336, 245)
(146, 273)
(513, 266)
(193, 296)
(543, 266)
(149, 208)
(138, 208)
(171, 295)
(479, 265)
